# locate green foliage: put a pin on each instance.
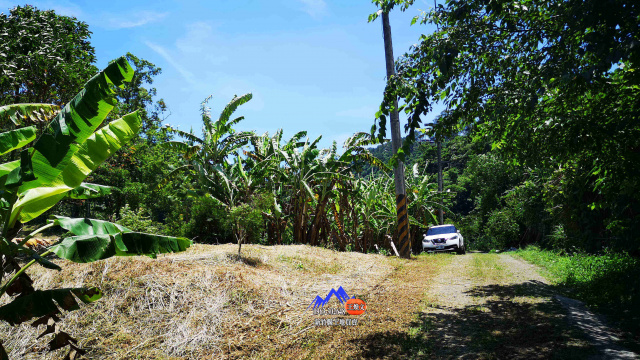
(205, 160)
(246, 220)
(140, 221)
(206, 221)
(554, 87)
(135, 168)
(502, 228)
(44, 57)
(66, 153)
(609, 281)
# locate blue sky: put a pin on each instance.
(314, 65)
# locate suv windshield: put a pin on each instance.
(441, 230)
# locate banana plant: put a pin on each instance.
(264, 161)
(68, 150)
(206, 158)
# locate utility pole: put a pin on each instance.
(440, 212)
(404, 241)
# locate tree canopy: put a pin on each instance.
(552, 84)
(44, 57)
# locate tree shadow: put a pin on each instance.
(516, 322)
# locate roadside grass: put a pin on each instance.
(610, 282)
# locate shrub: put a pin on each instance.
(207, 222)
(609, 281)
(140, 221)
(502, 229)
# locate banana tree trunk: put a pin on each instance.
(299, 222)
(312, 234)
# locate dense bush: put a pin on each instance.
(140, 221)
(206, 221)
(608, 281)
(502, 228)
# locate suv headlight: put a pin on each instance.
(454, 237)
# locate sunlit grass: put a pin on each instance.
(609, 282)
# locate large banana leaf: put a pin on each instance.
(23, 114)
(16, 139)
(94, 150)
(184, 134)
(76, 123)
(89, 248)
(84, 226)
(232, 106)
(41, 303)
(22, 173)
(98, 239)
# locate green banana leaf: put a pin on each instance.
(94, 150)
(231, 107)
(75, 123)
(16, 139)
(89, 248)
(84, 226)
(6, 168)
(41, 303)
(22, 173)
(187, 150)
(23, 114)
(89, 191)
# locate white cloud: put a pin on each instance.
(198, 36)
(201, 42)
(315, 8)
(138, 18)
(186, 74)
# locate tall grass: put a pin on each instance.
(609, 282)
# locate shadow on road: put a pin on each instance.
(514, 322)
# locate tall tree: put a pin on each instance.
(44, 57)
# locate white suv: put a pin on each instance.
(442, 238)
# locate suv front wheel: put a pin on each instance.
(461, 250)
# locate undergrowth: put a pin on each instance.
(609, 282)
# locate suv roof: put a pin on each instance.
(437, 226)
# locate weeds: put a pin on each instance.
(610, 282)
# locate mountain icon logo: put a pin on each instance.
(340, 294)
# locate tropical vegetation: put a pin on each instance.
(539, 147)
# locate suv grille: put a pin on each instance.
(439, 241)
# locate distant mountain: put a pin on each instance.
(340, 294)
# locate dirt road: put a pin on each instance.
(475, 306)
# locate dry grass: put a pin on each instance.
(207, 303)
(203, 303)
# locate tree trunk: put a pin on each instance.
(404, 243)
